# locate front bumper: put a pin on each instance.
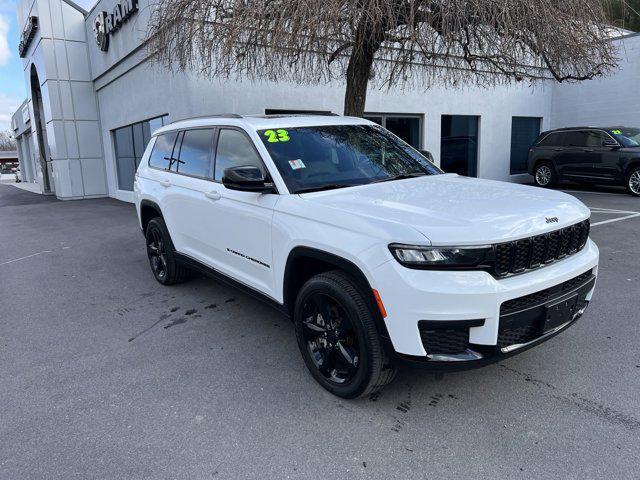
(494, 318)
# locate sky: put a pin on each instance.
(12, 89)
(12, 86)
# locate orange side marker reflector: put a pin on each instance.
(383, 312)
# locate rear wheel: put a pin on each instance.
(337, 337)
(545, 175)
(164, 265)
(633, 181)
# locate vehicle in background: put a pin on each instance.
(588, 155)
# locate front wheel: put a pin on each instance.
(633, 181)
(544, 175)
(337, 337)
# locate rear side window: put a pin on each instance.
(551, 140)
(235, 149)
(162, 153)
(195, 153)
(575, 138)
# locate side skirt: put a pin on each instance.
(221, 277)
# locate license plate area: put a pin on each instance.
(560, 312)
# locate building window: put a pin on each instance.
(524, 132)
(459, 144)
(129, 145)
(407, 127)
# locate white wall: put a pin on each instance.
(144, 91)
(59, 53)
(607, 101)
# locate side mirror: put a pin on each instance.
(610, 142)
(246, 179)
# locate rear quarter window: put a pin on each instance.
(163, 151)
(551, 140)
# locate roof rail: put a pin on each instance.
(216, 115)
(287, 115)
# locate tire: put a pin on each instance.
(633, 182)
(326, 350)
(545, 175)
(166, 269)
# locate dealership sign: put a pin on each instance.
(104, 24)
(27, 36)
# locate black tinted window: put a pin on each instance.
(594, 138)
(163, 150)
(552, 140)
(334, 156)
(195, 153)
(235, 149)
(575, 138)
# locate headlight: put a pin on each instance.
(442, 257)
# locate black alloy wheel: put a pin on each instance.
(338, 338)
(166, 269)
(157, 254)
(330, 337)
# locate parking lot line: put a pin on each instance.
(611, 211)
(24, 258)
(616, 219)
(586, 191)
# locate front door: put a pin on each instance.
(604, 157)
(239, 223)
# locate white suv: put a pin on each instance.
(377, 256)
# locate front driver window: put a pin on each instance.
(235, 149)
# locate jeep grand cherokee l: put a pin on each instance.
(377, 256)
(590, 155)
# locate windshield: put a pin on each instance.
(336, 156)
(628, 137)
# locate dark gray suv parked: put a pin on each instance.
(605, 156)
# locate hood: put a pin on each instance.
(454, 210)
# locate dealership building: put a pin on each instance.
(94, 98)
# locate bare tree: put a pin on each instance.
(388, 42)
(7, 142)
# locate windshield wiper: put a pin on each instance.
(330, 186)
(401, 176)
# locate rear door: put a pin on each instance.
(185, 203)
(548, 148)
(573, 159)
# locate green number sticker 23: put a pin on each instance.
(275, 136)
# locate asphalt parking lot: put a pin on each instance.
(106, 374)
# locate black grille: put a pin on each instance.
(516, 335)
(542, 296)
(533, 252)
(449, 341)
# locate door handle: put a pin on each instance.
(588, 149)
(557, 149)
(165, 183)
(213, 195)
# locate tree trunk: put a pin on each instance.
(368, 40)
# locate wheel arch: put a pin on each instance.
(543, 160)
(633, 163)
(148, 211)
(305, 262)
